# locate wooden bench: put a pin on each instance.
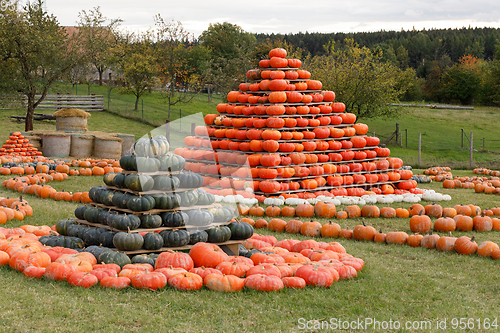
(87, 103)
(36, 116)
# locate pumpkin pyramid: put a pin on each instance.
(282, 134)
(153, 205)
(18, 145)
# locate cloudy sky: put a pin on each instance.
(291, 16)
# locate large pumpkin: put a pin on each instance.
(240, 230)
(146, 164)
(157, 146)
(172, 162)
(219, 234)
(207, 255)
(174, 219)
(175, 238)
(167, 201)
(200, 217)
(128, 241)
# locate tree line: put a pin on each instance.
(367, 71)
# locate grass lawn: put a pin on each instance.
(398, 283)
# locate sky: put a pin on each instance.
(290, 16)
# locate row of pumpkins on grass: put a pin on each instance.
(83, 236)
(290, 263)
(324, 209)
(362, 232)
(34, 185)
(14, 208)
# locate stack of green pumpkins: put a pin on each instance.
(160, 195)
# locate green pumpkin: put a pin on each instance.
(219, 234)
(106, 197)
(91, 214)
(152, 241)
(109, 256)
(109, 178)
(76, 230)
(189, 198)
(95, 250)
(175, 238)
(222, 214)
(205, 198)
(119, 180)
(62, 241)
(94, 193)
(190, 180)
(166, 183)
(139, 183)
(172, 162)
(125, 241)
(200, 217)
(120, 199)
(174, 219)
(124, 221)
(150, 221)
(91, 236)
(104, 216)
(145, 258)
(128, 162)
(80, 211)
(62, 226)
(167, 201)
(141, 203)
(146, 164)
(198, 236)
(240, 230)
(157, 146)
(106, 238)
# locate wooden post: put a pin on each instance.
(406, 138)
(419, 147)
(193, 125)
(462, 137)
(167, 130)
(397, 133)
(471, 148)
(373, 133)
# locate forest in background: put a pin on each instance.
(451, 65)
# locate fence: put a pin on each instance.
(454, 143)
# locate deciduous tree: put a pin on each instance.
(35, 51)
(360, 79)
(97, 38)
(137, 65)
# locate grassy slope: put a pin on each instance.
(398, 283)
(441, 135)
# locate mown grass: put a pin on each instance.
(398, 283)
(442, 136)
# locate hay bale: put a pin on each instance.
(107, 146)
(70, 112)
(128, 142)
(56, 144)
(35, 140)
(71, 120)
(82, 145)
